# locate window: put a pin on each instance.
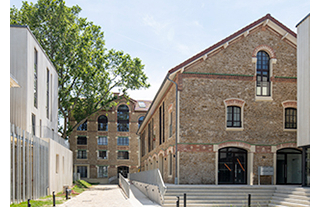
(160, 125)
(102, 141)
(123, 118)
(102, 123)
(233, 116)
(83, 126)
(102, 172)
(170, 124)
(140, 120)
(123, 155)
(263, 76)
(124, 141)
(82, 154)
(290, 118)
(57, 163)
(82, 140)
(82, 170)
(35, 83)
(170, 164)
(102, 154)
(48, 93)
(33, 124)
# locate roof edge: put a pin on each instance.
(303, 20)
(198, 55)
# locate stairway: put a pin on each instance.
(285, 196)
(219, 195)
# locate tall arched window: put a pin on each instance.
(123, 118)
(102, 123)
(263, 76)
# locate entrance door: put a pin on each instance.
(289, 166)
(232, 166)
(123, 170)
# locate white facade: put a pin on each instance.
(26, 54)
(303, 82)
(22, 47)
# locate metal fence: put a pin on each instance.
(29, 166)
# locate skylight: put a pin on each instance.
(141, 104)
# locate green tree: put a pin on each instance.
(87, 70)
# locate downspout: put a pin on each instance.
(167, 77)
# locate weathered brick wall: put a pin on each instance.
(92, 133)
(203, 112)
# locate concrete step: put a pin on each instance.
(290, 200)
(287, 204)
(293, 196)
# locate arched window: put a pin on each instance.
(123, 118)
(290, 118)
(233, 116)
(83, 127)
(140, 120)
(263, 76)
(102, 123)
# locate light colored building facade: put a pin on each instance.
(303, 85)
(236, 107)
(107, 144)
(34, 111)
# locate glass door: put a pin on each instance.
(289, 166)
(232, 166)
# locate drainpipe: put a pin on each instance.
(175, 128)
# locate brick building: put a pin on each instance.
(236, 111)
(107, 143)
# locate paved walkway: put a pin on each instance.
(110, 196)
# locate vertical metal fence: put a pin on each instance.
(29, 166)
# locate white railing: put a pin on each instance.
(124, 184)
(151, 177)
(29, 166)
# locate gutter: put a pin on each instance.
(176, 113)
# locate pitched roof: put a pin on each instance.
(265, 20)
(227, 39)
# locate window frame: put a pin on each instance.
(261, 56)
(83, 126)
(124, 156)
(99, 173)
(102, 143)
(289, 104)
(235, 102)
(101, 126)
(233, 121)
(122, 122)
(102, 158)
(123, 141)
(82, 157)
(291, 116)
(77, 140)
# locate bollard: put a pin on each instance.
(29, 205)
(177, 202)
(53, 198)
(249, 200)
(66, 193)
(184, 199)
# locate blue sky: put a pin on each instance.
(165, 33)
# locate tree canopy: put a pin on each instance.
(87, 70)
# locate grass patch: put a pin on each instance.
(77, 188)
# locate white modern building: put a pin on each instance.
(303, 95)
(34, 121)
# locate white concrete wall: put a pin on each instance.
(64, 175)
(22, 45)
(303, 83)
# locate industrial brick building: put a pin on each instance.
(106, 143)
(236, 107)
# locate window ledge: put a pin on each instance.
(290, 130)
(263, 98)
(234, 129)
